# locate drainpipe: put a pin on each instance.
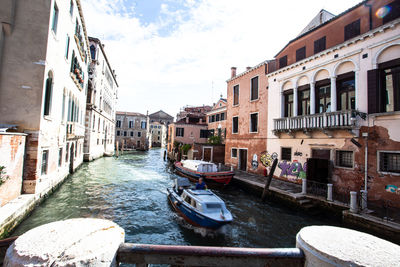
(370, 14)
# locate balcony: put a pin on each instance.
(324, 121)
(75, 130)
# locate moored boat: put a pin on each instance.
(195, 169)
(198, 207)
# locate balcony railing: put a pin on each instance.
(330, 120)
(75, 130)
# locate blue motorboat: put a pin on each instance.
(198, 207)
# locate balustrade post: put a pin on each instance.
(363, 199)
(333, 94)
(353, 202)
(312, 98)
(329, 196)
(295, 101)
(304, 187)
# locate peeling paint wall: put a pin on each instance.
(12, 152)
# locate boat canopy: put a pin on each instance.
(199, 165)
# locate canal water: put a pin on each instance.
(131, 191)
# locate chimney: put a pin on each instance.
(233, 72)
(187, 120)
(247, 68)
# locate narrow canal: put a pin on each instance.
(131, 191)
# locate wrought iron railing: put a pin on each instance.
(317, 189)
(338, 119)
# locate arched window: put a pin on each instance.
(48, 94)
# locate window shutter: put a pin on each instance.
(183, 132)
(373, 91)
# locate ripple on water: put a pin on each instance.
(131, 190)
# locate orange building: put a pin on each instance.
(246, 130)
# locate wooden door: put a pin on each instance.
(207, 153)
(243, 159)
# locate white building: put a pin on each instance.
(100, 106)
(335, 97)
(157, 134)
(43, 80)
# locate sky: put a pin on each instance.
(171, 53)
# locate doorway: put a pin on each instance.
(71, 158)
(242, 159)
(207, 153)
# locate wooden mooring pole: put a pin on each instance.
(269, 179)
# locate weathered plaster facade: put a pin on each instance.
(12, 152)
(333, 129)
(100, 106)
(44, 61)
(131, 130)
(248, 143)
(158, 134)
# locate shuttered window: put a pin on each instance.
(283, 62)
(394, 11)
(320, 45)
(254, 88)
(300, 53)
(235, 124)
(352, 30)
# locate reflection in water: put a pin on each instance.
(131, 191)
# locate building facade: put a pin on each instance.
(44, 61)
(131, 130)
(161, 117)
(158, 134)
(216, 120)
(100, 104)
(246, 130)
(335, 95)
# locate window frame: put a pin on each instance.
(301, 100)
(290, 158)
(251, 123)
(54, 22)
(339, 163)
(339, 90)
(251, 89)
(301, 53)
(45, 162)
(238, 95)
(352, 29)
(318, 45)
(233, 117)
(179, 131)
(286, 95)
(378, 158)
(234, 148)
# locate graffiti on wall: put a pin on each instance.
(267, 159)
(392, 189)
(293, 170)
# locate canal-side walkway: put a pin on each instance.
(291, 195)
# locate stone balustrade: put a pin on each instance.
(96, 242)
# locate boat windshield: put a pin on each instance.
(213, 206)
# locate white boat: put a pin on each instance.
(198, 207)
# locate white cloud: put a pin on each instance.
(184, 58)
